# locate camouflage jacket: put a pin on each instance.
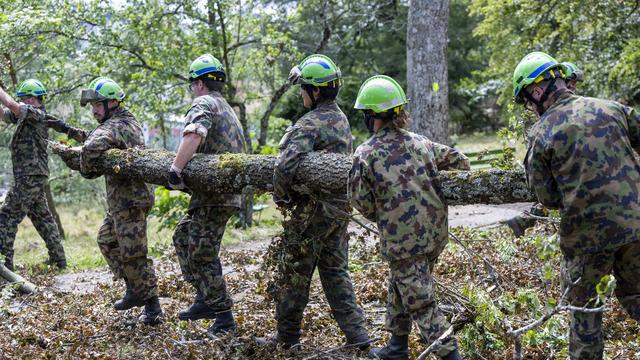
(211, 117)
(120, 131)
(325, 128)
(29, 142)
(582, 161)
(394, 182)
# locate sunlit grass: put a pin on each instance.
(477, 142)
(81, 225)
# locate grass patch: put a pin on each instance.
(81, 225)
(487, 141)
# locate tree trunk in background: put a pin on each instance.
(52, 208)
(427, 87)
(324, 175)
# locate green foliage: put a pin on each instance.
(506, 160)
(605, 288)
(591, 34)
(169, 207)
(483, 335)
(548, 248)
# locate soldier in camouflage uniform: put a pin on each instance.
(582, 161)
(519, 224)
(211, 127)
(394, 182)
(314, 235)
(122, 238)
(29, 157)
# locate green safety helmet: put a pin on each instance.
(101, 89)
(380, 93)
(207, 64)
(572, 72)
(317, 70)
(533, 68)
(31, 87)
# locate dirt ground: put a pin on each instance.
(486, 280)
(476, 216)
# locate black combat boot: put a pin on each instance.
(454, 355)
(198, 310)
(60, 264)
(224, 323)
(129, 300)
(361, 341)
(287, 342)
(152, 313)
(396, 349)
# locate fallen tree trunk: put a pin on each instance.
(24, 285)
(324, 174)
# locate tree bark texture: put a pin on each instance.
(53, 209)
(322, 174)
(24, 285)
(427, 84)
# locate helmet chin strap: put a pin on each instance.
(545, 96)
(369, 120)
(107, 110)
(309, 90)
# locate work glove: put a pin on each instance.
(282, 201)
(175, 179)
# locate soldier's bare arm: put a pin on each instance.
(8, 101)
(448, 158)
(188, 147)
(198, 120)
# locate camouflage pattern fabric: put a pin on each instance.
(26, 197)
(29, 142)
(315, 240)
(394, 183)
(411, 296)
(586, 338)
(582, 161)
(123, 235)
(197, 240)
(211, 117)
(120, 131)
(325, 128)
(122, 239)
(314, 236)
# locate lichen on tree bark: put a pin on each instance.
(324, 174)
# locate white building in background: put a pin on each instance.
(154, 137)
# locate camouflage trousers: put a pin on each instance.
(586, 338)
(316, 240)
(26, 197)
(197, 241)
(122, 239)
(411, 296)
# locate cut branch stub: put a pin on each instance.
(323, 173)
